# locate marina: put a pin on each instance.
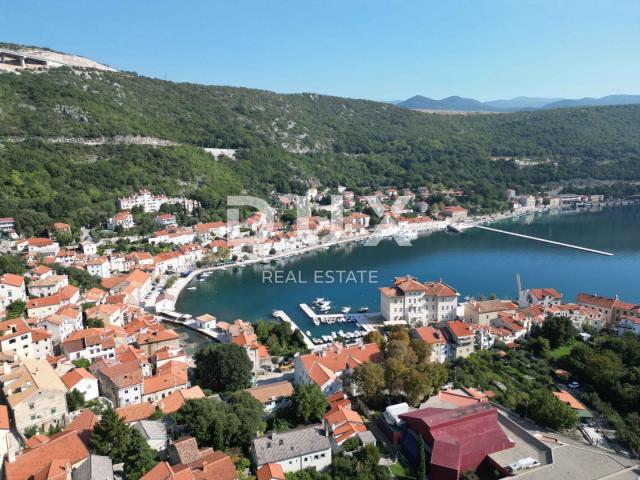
(459, 259)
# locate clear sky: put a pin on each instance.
(378, 49)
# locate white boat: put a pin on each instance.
(334, 334)
(308, 332)
(324, 308)
(363, 310)
(345, 310)
(192, 288)
(318, 300)
(201, 279)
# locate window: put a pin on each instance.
(53, 411)
(32, 406)
(33, 417)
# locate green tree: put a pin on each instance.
(12, 264)
(110, 437)
(139, 457)
(351, 444)
(75, 400)
(94, 323)
(374, 336)
(16, 309)
(539, 346)
(231, 423)
(546, 409)
(415, 385)
(558, 330)
(81, 363)
(309, 403)
(370, 379)
(223, 367)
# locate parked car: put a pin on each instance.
(574, 385)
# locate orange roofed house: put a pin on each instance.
(53, 460)
(327, 367)
(12, 288)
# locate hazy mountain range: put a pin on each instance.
(462, 104)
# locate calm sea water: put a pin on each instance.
(476, 262)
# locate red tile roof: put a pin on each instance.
(430, 335)
(459, 329)
(27, 466)
(4, 417)
(270, 471)
(12, 280)
(175, 401)
(73, 377)
(322, 367)
(136, 412)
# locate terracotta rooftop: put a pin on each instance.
(271, 391)
(30, 464)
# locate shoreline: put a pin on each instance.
(471, 222)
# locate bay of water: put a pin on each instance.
(476, 263)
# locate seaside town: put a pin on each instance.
(99, 383)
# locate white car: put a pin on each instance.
(523, 464)
(574, 385)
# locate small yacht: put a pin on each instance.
(324, 308)
(345, 310)
(308, 332)
(318, 300)
(363, 310)
(192, 288)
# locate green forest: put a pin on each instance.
(282, 142)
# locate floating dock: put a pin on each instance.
(328, 318)
(568, 245)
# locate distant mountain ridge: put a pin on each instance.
(461, 104)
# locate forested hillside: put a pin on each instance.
(283, 142)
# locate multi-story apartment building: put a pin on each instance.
(613, 309)
(437, 342)
(15, 336)
(413, 302)
(152, 203)
(461, 339)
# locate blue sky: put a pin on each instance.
(378, 49)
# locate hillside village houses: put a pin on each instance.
(138, 364)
